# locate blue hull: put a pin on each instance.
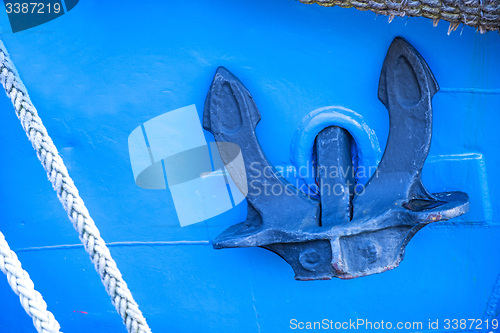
(103, 69)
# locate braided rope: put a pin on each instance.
(68, 195)
(481, 14)
(31, 300)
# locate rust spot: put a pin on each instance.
(434, 217)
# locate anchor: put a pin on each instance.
(351, 234)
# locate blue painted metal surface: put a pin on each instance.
(104, 68)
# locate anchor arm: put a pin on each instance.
(406, 88)
(231, 116)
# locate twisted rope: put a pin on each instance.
(31, 300)
(481, 14)
(70, 199)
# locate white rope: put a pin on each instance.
(20, 282)
(68, 195)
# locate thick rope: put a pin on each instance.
(20, 282)
(481, 14)
(68, 195)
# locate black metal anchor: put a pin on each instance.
(346, 235)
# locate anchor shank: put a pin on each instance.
(335, 175)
